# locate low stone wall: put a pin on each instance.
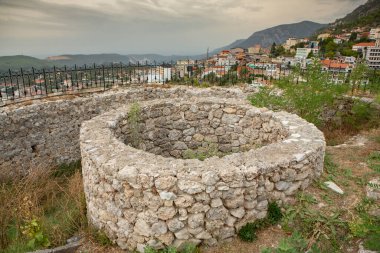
(46, 133)
(140, 198)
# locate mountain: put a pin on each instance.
(81, 59)
(21, 61)
(366, 15)
(278, 34)
(26, 62)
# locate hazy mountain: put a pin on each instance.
(26, 62)
(278, 34)
(81, 59)
(21, 61)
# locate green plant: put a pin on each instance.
(373, 161)
(274, 213)
(328, 229)
(296, 243)
(329, 165)
(248, 231)
(133, 124)
(44, 209)
(186, 248)
(204, 152)
(35, 235)
(67, 169)
(366, 226)
(100, 237)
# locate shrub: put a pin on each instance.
(274, 213)
(248, 231)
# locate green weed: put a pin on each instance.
(248, 231)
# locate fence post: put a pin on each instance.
(23, 81)
(104, 80)
(46, 91)
(55, 78)
(121, 74)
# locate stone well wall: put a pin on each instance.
(141, 198)
(170, 129)
(46, 133)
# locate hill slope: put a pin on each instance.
(279, 34)
(366, 15)
(21, 61)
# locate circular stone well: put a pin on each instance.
(150, 195)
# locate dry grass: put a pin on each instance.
(56, 203)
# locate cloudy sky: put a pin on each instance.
(52, 27)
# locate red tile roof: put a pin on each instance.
(365, 44)
(334, 64)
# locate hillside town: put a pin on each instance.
(337, 53)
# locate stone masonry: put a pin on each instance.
(46, 132)
(151, 196)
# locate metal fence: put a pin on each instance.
(20, 85)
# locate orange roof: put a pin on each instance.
(365, 44)
(334, 64)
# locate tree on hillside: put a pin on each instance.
(273, 49)
(353, 36)
(310, 55)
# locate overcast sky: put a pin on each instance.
(52, 27)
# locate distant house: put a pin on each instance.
(363, 46)
(256, 49)
(335, 66)
(324, 36)
(218, 71)
(290, 42)
(374, 33)
(350, 59)
(237, 50)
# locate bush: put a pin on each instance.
(274, 213)
(248, 231)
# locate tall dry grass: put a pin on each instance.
(53, 198)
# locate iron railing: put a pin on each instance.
(28, 84)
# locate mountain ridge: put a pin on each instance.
(278, 34)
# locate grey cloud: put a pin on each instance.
(143, 26)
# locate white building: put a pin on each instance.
(349, 59)
(302, 53)
(373, 56)
(374, 33)
(159, 74)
